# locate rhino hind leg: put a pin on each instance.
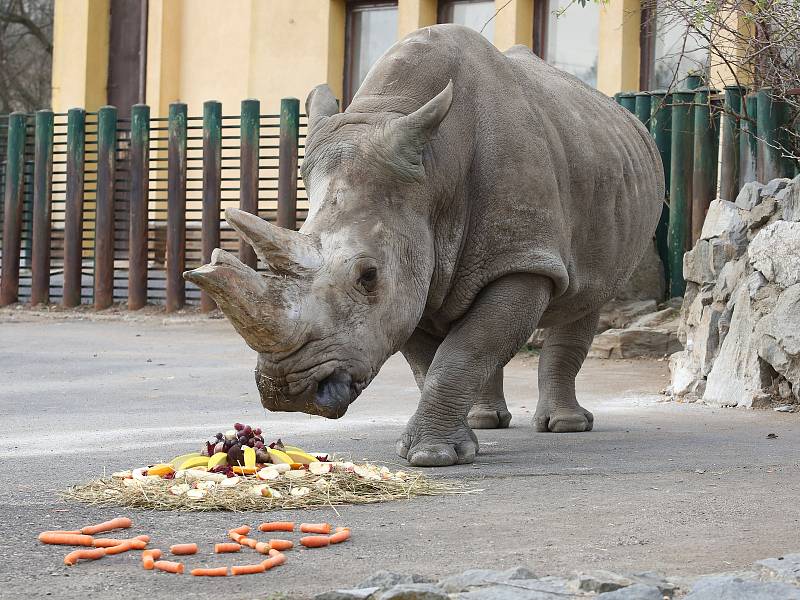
(489, 410)
(564, 350)
(500, 320)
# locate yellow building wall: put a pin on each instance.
(618, 53)
(513, 23)
(415, 14)
(80, 54)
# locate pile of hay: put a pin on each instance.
(366, 484)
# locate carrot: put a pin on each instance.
(340, 536)
(72, 531)
(183, 549)
(169, 566)
(110, 542)
(277, 526)
(125, 546)
(215, 572)
(315, 528)
(244, 529)
(249, 542)
(85, 554)
(118, 523)
(275, 559)
(154, 552)
(280, 544)
(262, 547)
(236, 536)
(227, 547)
(315, 541)
(65, 539)
(248, 569)
(148, 562)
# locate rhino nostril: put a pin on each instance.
(333, 392)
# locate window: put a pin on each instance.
(673, 53)
(475, 14)
(569, 38)
(371, 30)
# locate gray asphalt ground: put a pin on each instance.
(680, 489)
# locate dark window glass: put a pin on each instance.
(572, 38)
(676, 53)
(474, 14)
(371, 30)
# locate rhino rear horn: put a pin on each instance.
(284, 251)
(251, 303)
(320, 104)
(412, 132)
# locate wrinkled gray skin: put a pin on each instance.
(465, 197)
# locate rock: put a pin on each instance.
(789, 200)
(705, 339)
(774, 186)
(735, 376)
(703, 263)
(537, 338)
(387, 579)
(685, 374)
(722, 217)
(778, 335)
(784, 568)
(775, 251)
(728, 587)
(763, 213)
(638, 591)
(649, 578)
(666, 318)
(635, 342)
(647, 281)
(354, 594)
(728, 279)
(504, 592)
(617, 314)
(414, 591)
(600, 581)
(755, 282)
(749, 195)
(479, 577)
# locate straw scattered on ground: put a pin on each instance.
(332, 489)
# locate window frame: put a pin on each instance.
(353, 7)
(443, 5)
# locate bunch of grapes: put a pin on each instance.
(232, 442)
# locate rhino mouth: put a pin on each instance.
(336, 393)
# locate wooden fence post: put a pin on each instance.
(704, 172)
(104, 213)
(12, 216)
(212, 173)
(772, 116)
(176, 207)
(73, 211)
(42, 207)
(139, 194)
(287, 163)
(748, 142)
(729, 150)
(680, 192)
(660, 128)
(249, 134)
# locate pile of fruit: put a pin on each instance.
(238, 470)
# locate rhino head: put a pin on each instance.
(346, 291)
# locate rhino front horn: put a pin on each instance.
(284, 251)
(247, 299)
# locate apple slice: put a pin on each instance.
(279, 457)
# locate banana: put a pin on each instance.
(195, 461)
(279, 457)
(299, 456)
(220, 458)
(179, 460)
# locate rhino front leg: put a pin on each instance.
(419, 351)
(500, 320)
(490, 410)
(564, 350)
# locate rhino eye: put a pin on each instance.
(368, 280)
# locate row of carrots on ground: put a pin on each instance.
(96, 547)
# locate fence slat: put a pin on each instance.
(139, 192)
(176, 207)
(704, 172)
(680, 193)
(729, 149)
(628, 101)
(212, 173)
(748, 141)
(12, 217)
(287, 163)
(104, 213)
(249, 163)
(73, 211)
(772, 116)
(42, 206)
(660, 128)
(642, 102)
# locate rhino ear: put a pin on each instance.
(320, 104)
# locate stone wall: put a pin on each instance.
(740, 318)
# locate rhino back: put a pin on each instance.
(533, 171)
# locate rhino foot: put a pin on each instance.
(425, 450)
(481, 417)
(564, 421)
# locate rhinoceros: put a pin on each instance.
(464, 198)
